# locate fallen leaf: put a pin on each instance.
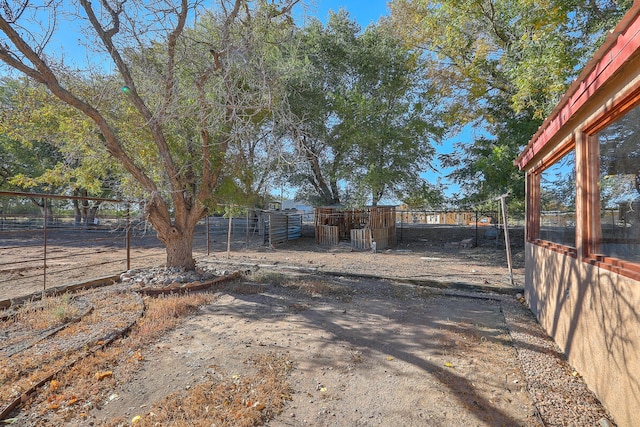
(104, 374)
(389, 357)
(55, 397)
(54, 384)
(448, 365)
(135, 419)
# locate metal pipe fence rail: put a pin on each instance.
(52, 240)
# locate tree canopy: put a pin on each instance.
(186, 106)
(502, 65)
(366, 116)
(183, 86)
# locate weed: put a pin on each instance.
(235, 401)
(276, 279)
(321, 288)
(356, 356)
(242, 288)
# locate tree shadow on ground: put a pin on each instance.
(380, 326)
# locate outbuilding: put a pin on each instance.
(583, 222)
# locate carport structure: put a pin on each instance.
(582, 276)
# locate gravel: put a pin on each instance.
(558, 391)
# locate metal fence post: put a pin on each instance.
(128, 242)
(44, 228)
(208, 238)
(476, 227)
(229, 234)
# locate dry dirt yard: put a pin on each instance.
(415, 336)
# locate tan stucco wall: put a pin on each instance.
(594, 316)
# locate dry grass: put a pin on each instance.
(276, 279)
(242, 288)
(73, 392)
(307, 286)
(122, 357)
(43, 314)
(236, 401)
(26, 327)
(164, 313)
(321, 288)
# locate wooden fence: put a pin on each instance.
(333, 225)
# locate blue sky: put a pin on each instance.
(363, 11)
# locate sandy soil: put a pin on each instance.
(405, 337)
(420, 255)
(387, 356)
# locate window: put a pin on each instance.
(558, 201)
(619, 189)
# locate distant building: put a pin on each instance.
(406, 215)
(299, 207)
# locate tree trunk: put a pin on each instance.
(180, 250)
(45, 212)
(77, 215)
(177, 235)
(91, 215)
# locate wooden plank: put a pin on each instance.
(384, 237)
(327, 235)
(361, 238)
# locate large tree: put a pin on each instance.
(47, 146)
(43, 149)
(185, 83)
(502, 65)
(367, 118)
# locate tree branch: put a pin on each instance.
(44, 75)
(106, 36)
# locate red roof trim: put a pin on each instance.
(617, 49)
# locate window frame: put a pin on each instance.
(591, 196)
(534, 193)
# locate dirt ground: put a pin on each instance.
(420, 254)
(411, 336)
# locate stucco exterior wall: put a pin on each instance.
(594, 316)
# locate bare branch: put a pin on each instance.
(13, 14)
(43, 74)
(152, 121)
(171, 49)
